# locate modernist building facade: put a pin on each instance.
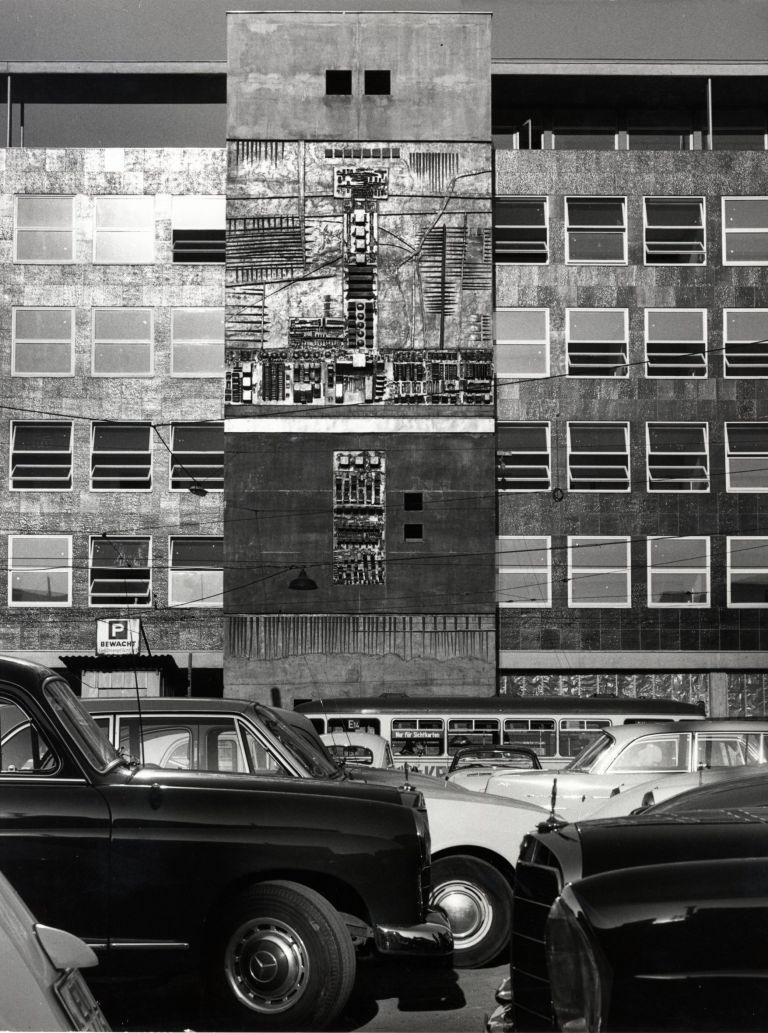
(494, 367)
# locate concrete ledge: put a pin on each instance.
(646, 660)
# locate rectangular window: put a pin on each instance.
(197, 342)
(124, 230)
(745, 231)
(596, 230)
(198, 227)
(537, 734)
(745, 342)
(678, 457)
(45, 228)
(522, 342)
(41, 456)
(524, 571)
(599, 572)
(197, 457)
(597, 342)
(377, 81)
(197, 572)
(120, 573)
(521, 230)
(598, 457)
(678, 571)
(746, 456)
(43, 342)
(121, 457)
(674, 231)
(338, 82)
(472, 732)
(122, 342)
(418, 737)
(523, 457)
(39, 570)
(748, 572)
(676, 342)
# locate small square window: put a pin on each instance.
(748, 572)
(413, 532)
(597, 342)
(745, 342)
(197, 572)
(521, 230)
(596, 230)
(43, 342)
(124, 230)
(39, 570)
(598, 457)
(678, 458)
(524, 571)
(197, 456)
(120, 571)
(41, 456)
(198, 227)
(674, 231)
(523, 457)
(413, 500)
(678, 571)
(45, 228)
(122, 342)
(197, 342)
(745, 231)
(522, 342)
(676, 342)
(338, 82)
(121, 457)
(746, 456)
(377, 82)
(599, 572)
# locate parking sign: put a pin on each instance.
(117, 636)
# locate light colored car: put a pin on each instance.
(42, 987)
(607, 775)
(360, 748)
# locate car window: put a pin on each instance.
(22, 746)
(354, 754)
(263, 761)
(727, 750)
(655, 753)
(187, 742)
(591, 753)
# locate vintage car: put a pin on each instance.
(682, 752)
(262, 885)
(42, 987)
(475, 838)
(748, 791)
(477, 761)
(359, 748)
(656, 921)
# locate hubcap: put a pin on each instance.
(469, 912)
(266, 965)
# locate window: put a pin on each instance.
(678, 458)
(122, 342)
(598, 456)
(597, 342)
(745, 231)
(676, 342)
(197, 342)
(522, 342)
(197, 572)
(575, 733)
(472, 732)
(43, 342)
(745, 342)
(120, 572)
(377, 81)
(747, 572)
(521, 230)
(41, 456)
(45, 228)
(124, 230)
(23, 747)
(413, 532)
(678, 571)
(655, 753)
(674, 231)
(599, 572)
(39, 570)
(418, 737)
(524, 568)
(595, 230)
(537, 734)
(413, 501)
(198, 229)
(523, 458)
(746, 456)
(121, 457)
(338, 81)
(197, 456)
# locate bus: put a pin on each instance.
(425, 731)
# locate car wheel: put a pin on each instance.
(478, 902)
(281, 958)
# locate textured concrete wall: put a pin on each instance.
(160, 399)
(439, 68)
(634, 398)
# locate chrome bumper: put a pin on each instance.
(432, 937)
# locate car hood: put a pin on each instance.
(396, 777)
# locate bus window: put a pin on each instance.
(472, 732)
(418, 737)
(575, 733)
(536, 733)
(355, 724)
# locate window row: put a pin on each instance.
(42, 456)
(598, 457)
(597, 342)
(123, 229)
(122, 342)
(119, 570)
(674, 230)
(599, 571)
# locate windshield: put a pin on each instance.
(312, 755)
(586, 760)
(80, 726)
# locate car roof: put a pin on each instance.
(168, 705)
(626, 733)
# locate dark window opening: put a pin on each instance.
(413, 532)
(413, 500)
(377, 82)
(338, 81)
(198, 246)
